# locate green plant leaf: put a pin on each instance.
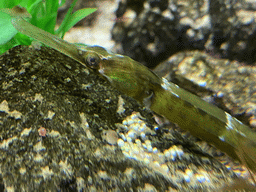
(77, 16)
(9, 3)
(60, 32)
(29, 4)
(44, 15)
(10, 44)
(22, 39)
(41, 13)
(7, 29)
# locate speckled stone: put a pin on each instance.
(150, 31)
(58, 134)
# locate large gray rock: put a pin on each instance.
(152, 30)
(64, 128)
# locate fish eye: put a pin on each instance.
(92, 60)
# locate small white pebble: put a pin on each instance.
(146, 160)
(134, 116)
(135, 149)
(4, 106)
(173, 151)
(126, 147)
(50, 115)
(202, 83)
(120, 142)
(156, 163)
(138, 142)
(155, 150)
(25, 132)
(129, 139)
(165, 167)
(149, 147)
(38, 97)
(54, 133)
(135, 126)
(130, 121)
(142, 127)
(180, 152)
(125, 122)
(15, 114)
(120, 105)
(160, 155)
(22, 170)
(172, 157)
(189, 172)
(147, 142)
(220, 94)
(187, 178)
(200, 178)
(167, 153)
(140, 121)
(123, 136)
(131, 134)
(143, 135)
(207, 179)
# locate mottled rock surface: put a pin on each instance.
(64, 128)
(150, 31)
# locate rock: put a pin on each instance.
(53, 115)
(153, 30)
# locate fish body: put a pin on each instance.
(191, 113)
(179, 106)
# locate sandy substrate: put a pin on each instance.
(100, 32)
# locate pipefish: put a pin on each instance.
(191, 113)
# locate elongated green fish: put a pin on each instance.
(191, 113)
